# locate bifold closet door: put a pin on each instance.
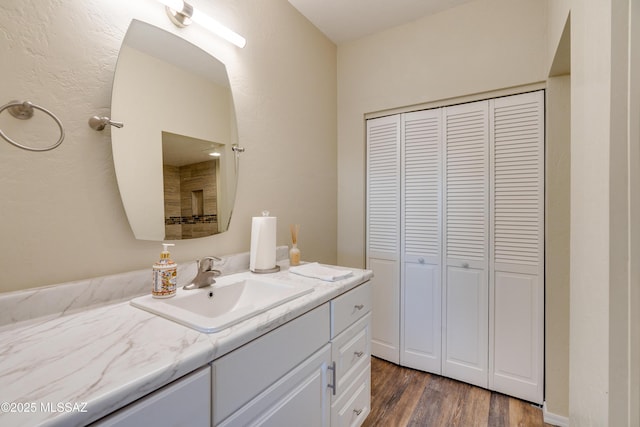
(420, 336)
(466, 242)
(383, 234)
(517, 246)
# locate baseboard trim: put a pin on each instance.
(554, 419)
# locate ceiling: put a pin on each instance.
(344, 20)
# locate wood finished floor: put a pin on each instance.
(406, 397)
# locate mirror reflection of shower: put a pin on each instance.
(191, 177)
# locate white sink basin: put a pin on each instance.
(229, 301)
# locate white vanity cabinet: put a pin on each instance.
(184, 402)
(312, 371)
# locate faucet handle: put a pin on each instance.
(209, 265)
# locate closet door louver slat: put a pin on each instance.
(517, 166)
(466, 182)
(383, 187)
(422, 184)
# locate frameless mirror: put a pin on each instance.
(173, 157)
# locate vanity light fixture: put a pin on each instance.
(215, 153)
(182, 13)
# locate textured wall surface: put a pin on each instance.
(61, 214)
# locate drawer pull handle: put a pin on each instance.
(359, 306)
(358, 353)
(332, 386)
(357, 411)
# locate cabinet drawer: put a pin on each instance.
(242, 374)
(352, 409)
(350, 307)
(351, 352)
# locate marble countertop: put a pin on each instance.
(72, 369)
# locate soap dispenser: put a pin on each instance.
(164, 275)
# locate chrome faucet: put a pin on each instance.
(206, 274)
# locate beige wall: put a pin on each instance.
(634, 214)
(478, 47)
(558, 208)
(590, 133)
(557, 15)
(603, 375)
(61, 215)
(557, 244)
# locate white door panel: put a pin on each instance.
(466, 330)
(421, 346)
(383, 233)
(385, 322)
(516, 337)
(466, 242)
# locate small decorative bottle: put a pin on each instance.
(294, 252)
(164, 275)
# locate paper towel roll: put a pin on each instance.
(263, 243)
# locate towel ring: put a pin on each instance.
(23, 110)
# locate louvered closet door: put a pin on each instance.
(466, 242)
(421, 240)
(517, 246)
(383, 234)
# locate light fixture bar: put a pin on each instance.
(182, 13)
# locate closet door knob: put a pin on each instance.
(465, 265)
(421, 260)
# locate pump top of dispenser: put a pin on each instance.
(164, 255)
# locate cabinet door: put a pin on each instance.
(517, 246)
(466, 242)
(262, 362)
(421, 240)
(300, 398)
(185, 402)
(383, 233)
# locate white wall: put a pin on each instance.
(61, 218)
(477, 47)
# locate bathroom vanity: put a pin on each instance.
(306, 362)
(314, 371)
